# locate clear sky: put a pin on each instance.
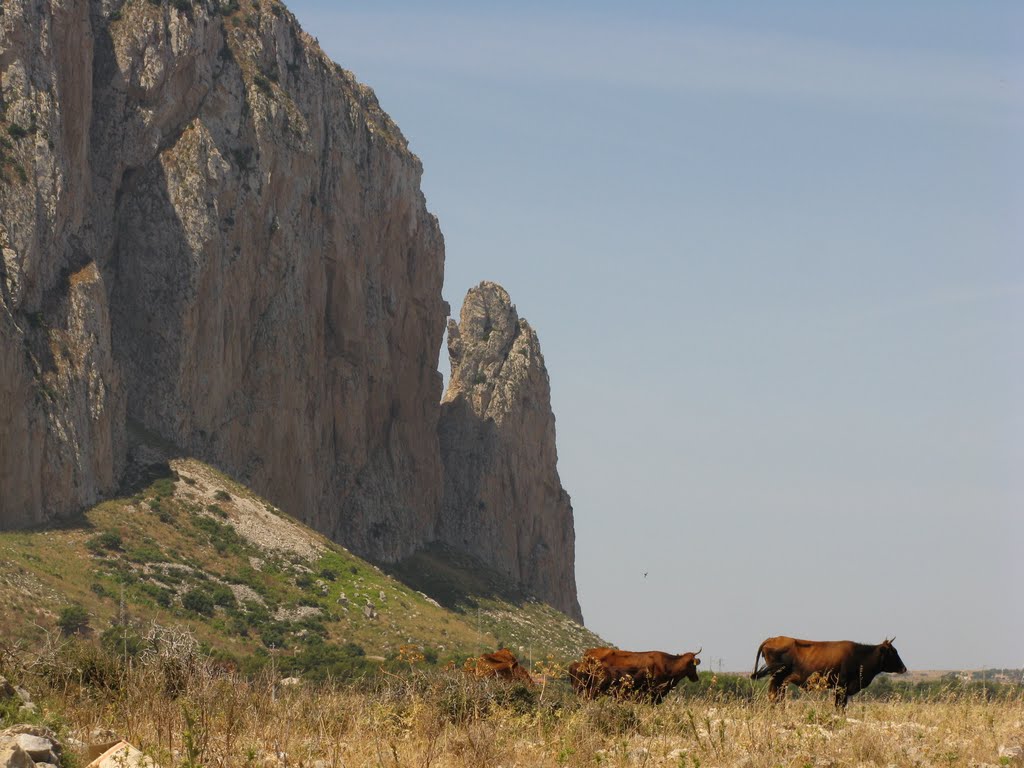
(775, 257)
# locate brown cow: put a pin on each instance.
(846, 666)
(501, 664)
(648, 675)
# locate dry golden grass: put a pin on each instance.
(184, 713)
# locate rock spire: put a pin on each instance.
(503, 499)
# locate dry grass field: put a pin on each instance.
(183, 712)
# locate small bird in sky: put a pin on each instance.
(645, 574)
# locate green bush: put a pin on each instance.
(263, 84)
(108, 540)
(222, 496)
(274, 635)
(73, 620)
(163, 488)
(319, 660)
(99, 590)
(222, 537)
(198, 601)
(146, 553)
(161, 596)
(222, 596)
(122, 640)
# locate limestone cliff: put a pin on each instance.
(503, 500)
(209, 227)
(211, 230)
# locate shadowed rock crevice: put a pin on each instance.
(503, 500)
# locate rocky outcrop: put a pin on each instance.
(209, 228)
(212, 234)
(503, 500)
(29, 746)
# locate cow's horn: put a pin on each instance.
(697, 653)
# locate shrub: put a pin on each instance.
(274, 635)
(161, 595)
(223, 537)
(73, 620)
(109, 540)
(222, 596)
(263, 84)
(122, 640)
(198, 601)
(146, 553)
(163, 487)
(318, 661)
(222, 496)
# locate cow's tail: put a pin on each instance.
(755, 674)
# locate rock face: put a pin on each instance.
(209, 228)
(28, 746)
(211, 232)
(503, 500)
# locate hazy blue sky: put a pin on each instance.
(775, 257)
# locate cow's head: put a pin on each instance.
(891, 661)
(691, 668)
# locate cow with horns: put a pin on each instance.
(846, 666)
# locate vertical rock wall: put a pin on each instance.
(209, 226)
(61, 399)
(503, 500)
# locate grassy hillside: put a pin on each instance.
(195, 549)
(494, 606)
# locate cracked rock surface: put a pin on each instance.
(503, 499)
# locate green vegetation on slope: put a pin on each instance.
(494, 605)
(194, 549)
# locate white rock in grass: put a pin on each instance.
(38, 747)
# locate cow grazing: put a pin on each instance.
(501, 664)
(647, 675)
(840, 664)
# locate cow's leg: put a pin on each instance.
(777, 685)
(841, 697)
